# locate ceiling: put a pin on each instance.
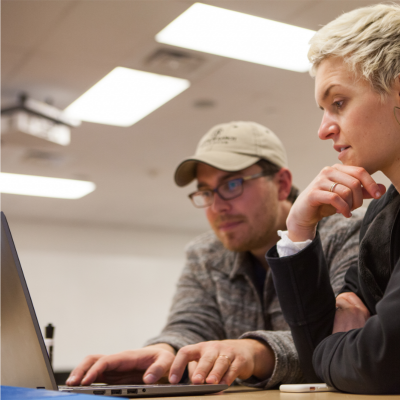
(56, 50)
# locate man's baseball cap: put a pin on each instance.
(232, 147)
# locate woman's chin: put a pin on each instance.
(351, 162)
(357, 163)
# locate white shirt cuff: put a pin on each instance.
(286, 247)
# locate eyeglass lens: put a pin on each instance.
(227, 191)
(230, 188)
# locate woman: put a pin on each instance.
(352, 343)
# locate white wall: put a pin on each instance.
(104, 289)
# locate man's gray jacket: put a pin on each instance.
(216, 298)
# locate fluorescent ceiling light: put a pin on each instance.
(30, 185)
(125, 96)
(241, 36)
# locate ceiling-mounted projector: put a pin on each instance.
(32, 122)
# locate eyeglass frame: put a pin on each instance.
(213, 191)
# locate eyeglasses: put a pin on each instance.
(227, 191)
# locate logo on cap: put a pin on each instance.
(216, 138)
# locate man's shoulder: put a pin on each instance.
(208, 248)
(207, 242)
(339, 226)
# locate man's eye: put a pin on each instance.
(206, 194)
(232, 185)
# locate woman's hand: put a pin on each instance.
(336, 189)
(351, 313)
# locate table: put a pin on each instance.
(233, 393)
(245, 393)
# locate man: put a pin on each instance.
(225, 322)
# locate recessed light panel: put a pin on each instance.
(241, 36)
(30, 185)
(125, 96)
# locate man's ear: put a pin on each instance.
(284, 180)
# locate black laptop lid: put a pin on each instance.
(24, 360)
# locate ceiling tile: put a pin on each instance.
(96, 30)
(324, 11)
(26, 23)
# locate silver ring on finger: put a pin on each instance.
(333, 187)
(223, 355)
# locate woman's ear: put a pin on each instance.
(397, 88)
(396, 109)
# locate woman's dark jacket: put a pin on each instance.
(365, 360)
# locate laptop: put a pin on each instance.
(24, 358)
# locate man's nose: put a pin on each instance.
(328, 128)
(219, 204)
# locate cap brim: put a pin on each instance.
(186, 171)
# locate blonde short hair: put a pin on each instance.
(368, 39)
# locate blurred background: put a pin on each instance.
(103, 268)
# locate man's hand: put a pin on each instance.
(321, 198)
(147, 365)
(223, 361)
(351, 313)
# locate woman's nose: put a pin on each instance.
(328, 128)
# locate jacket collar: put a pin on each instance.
(241, 264)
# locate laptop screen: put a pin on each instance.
(24, 360)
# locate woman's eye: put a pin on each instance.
(338, 104)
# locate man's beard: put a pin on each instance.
(246, 244)
(239, 241)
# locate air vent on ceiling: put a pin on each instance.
(44, 158)
(173, 62)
